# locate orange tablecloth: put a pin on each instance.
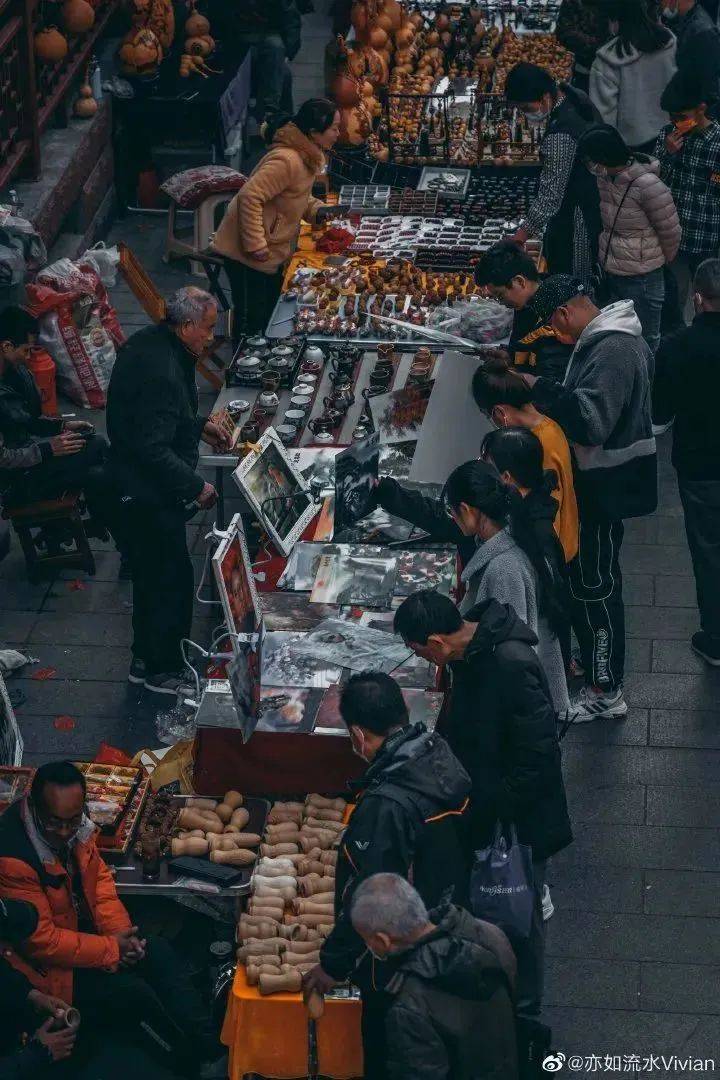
(269, 1035)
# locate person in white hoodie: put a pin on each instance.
(630, 72)
(641, 229)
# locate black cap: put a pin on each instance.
(553, 293)
(18, 919)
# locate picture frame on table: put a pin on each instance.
(276, 492)
(235, 581)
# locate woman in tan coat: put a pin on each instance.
(641, 230)
(259, 231)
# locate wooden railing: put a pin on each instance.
(30, 92)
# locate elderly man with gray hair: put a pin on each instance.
(153, 427)
(451, 1015)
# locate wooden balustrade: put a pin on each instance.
(30, 91)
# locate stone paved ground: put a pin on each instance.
(634, 947)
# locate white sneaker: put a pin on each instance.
(660, 429)
(594, 704)
(548, 908)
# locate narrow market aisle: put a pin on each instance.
(633, 961)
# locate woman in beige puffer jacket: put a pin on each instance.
(259, 231)
(641, 229)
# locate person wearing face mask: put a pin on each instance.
(154, 427)
(582, 27)
(686, 390)
(689, 154)
(501, 724)
(84, 949)
(698, 47)
(631, 71)
(453, 977)
(511, 277)
(409, 803)
(641, 229)
(566, 207)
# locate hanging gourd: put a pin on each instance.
(141, 53)
(50, 45)
(78, 16)
(196, 25)
(198, 46)
(157, 16)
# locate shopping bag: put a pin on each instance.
(502, 884)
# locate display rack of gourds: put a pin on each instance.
(199, 45)
(292, 903)
(51, 44)
(149, 40)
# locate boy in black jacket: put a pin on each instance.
(511, 277)
(687, 389)
(408, 802)
(501, 724)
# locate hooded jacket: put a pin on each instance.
(152, 419)
(626, 87)
(451, 1016)
(604, 408)
(501, 725)
(409, 801)
(500, 570)
(267, 211)
(25, 432)
(643, 231)
(581, 28)
(30, 871)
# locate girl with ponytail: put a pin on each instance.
(509, 564)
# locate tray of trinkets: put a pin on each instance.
(256, 356)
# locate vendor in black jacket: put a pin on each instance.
(409, 801)
(153, 426)
(501, 725)
(41, 457)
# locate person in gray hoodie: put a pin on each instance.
(604, 407)
(630, 72)
(641, 228)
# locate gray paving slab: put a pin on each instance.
(681, 987)
(592, 984)
(644, 847)
(596, 888)
(676, 658)
(632, 730)
(621, 1031)
(610, 804)
(621, 936)
(697, 807)
(687, 728)
(669, 892)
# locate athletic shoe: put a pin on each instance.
(707, 646)
(594, 704)
(167, 682)
(660, 429)
(548, 908)
(138, 671)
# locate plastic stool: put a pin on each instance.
(203, 229)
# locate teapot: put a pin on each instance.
(321, 425)
(342, 397)
(343, 365)
(333, 411)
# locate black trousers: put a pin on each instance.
(254, 296)
(84, 471)
(375, 1004)
(598, 613)
(157, 993)
(701, 506)
(162, 576)
(530, 954)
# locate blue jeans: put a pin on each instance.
(647, 291)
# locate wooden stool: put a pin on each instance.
(30, 523)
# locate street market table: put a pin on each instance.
(270, 1036)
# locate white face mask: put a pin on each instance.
(537, 117)
(670, 13)
(597, 170)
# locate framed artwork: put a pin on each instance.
(276, 491)
(235, 582)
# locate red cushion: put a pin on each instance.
(189, 188)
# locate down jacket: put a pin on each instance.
(647, 234)
(501, 725)
(451, 1014)
(30, 871)
(626, 88)
(267, 211)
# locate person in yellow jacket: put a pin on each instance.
(259, 230)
